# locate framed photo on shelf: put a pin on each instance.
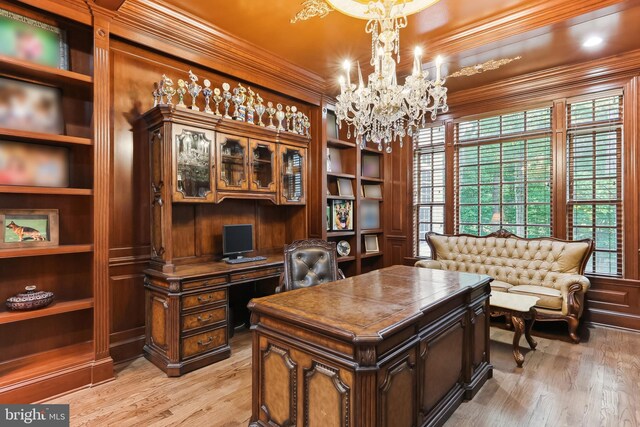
(371, 165)
(33, 41)
(28, 228)
(332, 125)
(33, 165)
(342, 215)
(372, 191)
(30, 107)
(345, 187)
(370, 215)
(334, 160)
(371, 243)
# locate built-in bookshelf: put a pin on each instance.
(354, 180)
(52, 350)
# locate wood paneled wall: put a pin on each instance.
(133, 71)
(611, 301)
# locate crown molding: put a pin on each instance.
(155, 24)
(76, 10)
(599, 74)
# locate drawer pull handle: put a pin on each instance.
(203, 299)
(205, 319)
(205, 343)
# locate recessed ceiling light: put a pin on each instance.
(592, 41)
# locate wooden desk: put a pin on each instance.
(397, 347)
(187, 311)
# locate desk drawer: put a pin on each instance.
(204, 318)
(213, 281)
(256, 274)
(204, 298)
(206, 341)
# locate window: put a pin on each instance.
(594, 178)
(503, 174)
(429, 182)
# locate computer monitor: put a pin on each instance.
(237, 239)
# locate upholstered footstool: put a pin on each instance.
(520, 308)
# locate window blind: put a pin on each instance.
(429, 186)
(503, 173)
(594, 178)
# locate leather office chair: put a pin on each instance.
(309, 263)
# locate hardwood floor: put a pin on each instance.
(595, 383)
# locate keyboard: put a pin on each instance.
(245, 259)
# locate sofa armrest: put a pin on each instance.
(573, 287)
(429, 263)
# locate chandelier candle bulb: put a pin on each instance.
(347, 68)
(438, 65)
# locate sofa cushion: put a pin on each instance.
(499, 286)
(549, 297)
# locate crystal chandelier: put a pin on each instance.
(384, 111)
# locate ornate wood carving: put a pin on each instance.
(366, 356)
(331, 400)
(279, 379)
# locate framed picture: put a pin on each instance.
(328, 217)
(30, 107)
(34, 41)
(334, 160)
(33, 165)
(28, 228)
(370, 214)
(372, 191)
(371, 243)
(342, 213)
(345, 187)
(332, 125)
(371, 165)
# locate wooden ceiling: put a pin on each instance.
(545, 33)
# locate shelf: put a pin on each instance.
(18, 189)
(261, 161)
(340, 233)
(43, 251)
(57, 307)
(371, 179)
(341, 175)
(346, 259)
(372, 199)
(334, 197)
(47, 362)
(338, 143)
(23, 135)
(371, 254)
(372, 231)
(43, 73)
(372, 150)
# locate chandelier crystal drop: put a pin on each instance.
(383, 111)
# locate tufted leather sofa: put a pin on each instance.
(309, 263)
(547, 268)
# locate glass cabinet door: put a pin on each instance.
(232, 162)
(193, 160)
(263, 166)
(292, 169)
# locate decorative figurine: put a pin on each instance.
(307, 127)
(157, 93)
(271, 111)
(217, 99)
(250, 105)
(168, 89)
(280, 117)
(181, 91)
(206, 92)
(294, 110)
(226, 95)
(260, 109)
(288, 115)
(194, 90)
(239, 96)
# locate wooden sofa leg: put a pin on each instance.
(573, 329)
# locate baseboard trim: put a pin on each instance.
(613, 319)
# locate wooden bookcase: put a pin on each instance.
(351, 167)
(59, 348)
